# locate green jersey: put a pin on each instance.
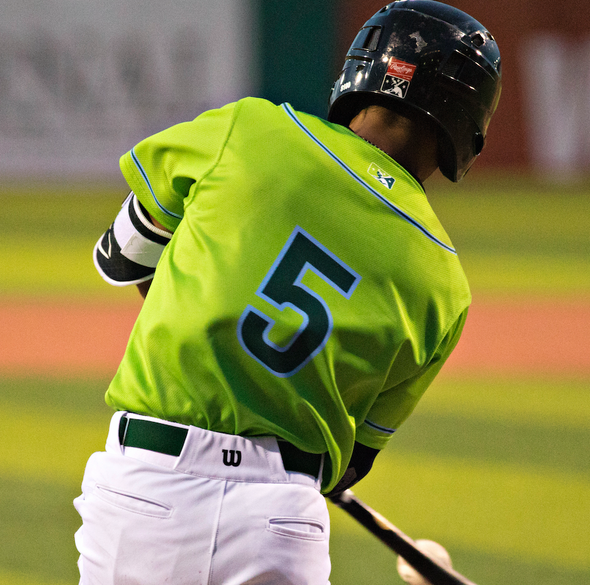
(308, 292)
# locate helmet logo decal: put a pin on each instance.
(379, 174)
(397, 78)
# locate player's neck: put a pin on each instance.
(411, 145)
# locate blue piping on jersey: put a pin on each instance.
(379, 427)
(149, 186)
(291, 113)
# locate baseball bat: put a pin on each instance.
(399, 542)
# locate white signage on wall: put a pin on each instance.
(81, 82)
(556, 75)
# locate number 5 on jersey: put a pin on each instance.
(282, 287)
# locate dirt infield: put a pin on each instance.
(501, 337)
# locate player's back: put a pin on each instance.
(308, 281)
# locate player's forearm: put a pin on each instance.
(158, 224)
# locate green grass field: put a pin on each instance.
(495, 469)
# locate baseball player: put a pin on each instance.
(302, 297)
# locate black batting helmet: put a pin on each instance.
(430, 57)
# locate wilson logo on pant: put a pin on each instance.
(231, 458)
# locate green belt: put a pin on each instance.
(169, 440)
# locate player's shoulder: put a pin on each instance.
(226, 116)
(286, 112)
(255, 108)
(258, 116)
(256, 103)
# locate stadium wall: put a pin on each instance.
(81, 83)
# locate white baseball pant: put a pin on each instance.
(223, 512)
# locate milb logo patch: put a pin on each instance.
(397, 78)
(379, 174)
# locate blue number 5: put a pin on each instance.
(282, 287)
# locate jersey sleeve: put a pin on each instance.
(394, 405)
(162, 169)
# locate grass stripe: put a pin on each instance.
(541, 403)
(48, 443)
(359, 558)
(71, 396)
(531, 274)
(44, 266)
(517, 511)
(37, 530)
(493, 441)
(520, 215)
(7, 578)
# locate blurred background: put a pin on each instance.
(494, 462)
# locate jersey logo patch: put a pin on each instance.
(397, 78)
(379, 174)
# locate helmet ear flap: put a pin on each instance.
(447, 158)
(478, 143)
